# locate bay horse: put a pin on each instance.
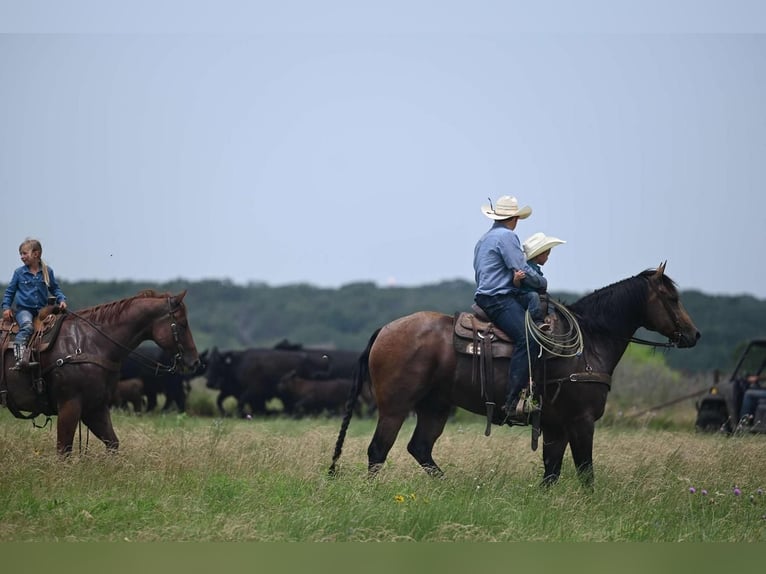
(79, 368)
(412, 365)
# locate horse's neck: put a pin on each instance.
(609, 324)
(130, 327)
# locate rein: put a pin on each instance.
(655, 344)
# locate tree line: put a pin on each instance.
(230, 316)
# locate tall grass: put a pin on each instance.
(187, 478)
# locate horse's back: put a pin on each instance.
(420, 328)
(416, 348)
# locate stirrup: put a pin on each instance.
(529, 405)
(512, 414)
(24, 366)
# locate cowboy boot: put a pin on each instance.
(17, 355)
(23, 358)
(27, 358)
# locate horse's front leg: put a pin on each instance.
(69, 412)
(554, 445)
(581, 444)
(100, 424)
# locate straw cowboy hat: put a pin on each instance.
(538, 243)
(505, 208)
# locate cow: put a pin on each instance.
(152, 365)
(252, 375)
(320, 396)
(335, 364)
(129, 392)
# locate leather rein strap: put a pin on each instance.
(483, 363)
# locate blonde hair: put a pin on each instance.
(35, 245)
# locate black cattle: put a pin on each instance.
(334, 364)
(252, 375)
(321, 396)
(129, 392)
(151, 365)
(314, 396)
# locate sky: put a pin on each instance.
(339, 142)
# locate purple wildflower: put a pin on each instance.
(703, 492)
(692, 490)
(737, 491)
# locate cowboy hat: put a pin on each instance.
(538, 243)
(505, 208)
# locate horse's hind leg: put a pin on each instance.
(68, 417)
(100, 424)
(429, 427)
(385, 434)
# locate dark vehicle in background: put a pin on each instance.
(718, 410)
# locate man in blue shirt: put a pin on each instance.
(496, 258)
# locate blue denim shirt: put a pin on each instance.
(30, 290)
(534, 281)
(496, 255)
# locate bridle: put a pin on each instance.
(178, 357)
(676, 338)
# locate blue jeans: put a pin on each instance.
(507, 312)
(24, 319)
(533, 306)
(750, 401)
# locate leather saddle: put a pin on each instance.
(474, 330)
(47, 325)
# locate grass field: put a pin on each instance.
(187, 478)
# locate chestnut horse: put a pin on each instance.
(79, 369)
(412, 365)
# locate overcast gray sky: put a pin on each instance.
(330, 143)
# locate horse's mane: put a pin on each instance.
(106, 312)
(596, 311)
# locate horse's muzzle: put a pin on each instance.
(687, 341)
(190, 369)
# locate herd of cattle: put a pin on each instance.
(305, 381)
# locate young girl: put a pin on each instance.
(29, 286)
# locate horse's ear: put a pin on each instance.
(180, 296)
(661, 269)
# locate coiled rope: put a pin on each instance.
(568, 343)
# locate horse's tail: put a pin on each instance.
(361, 375)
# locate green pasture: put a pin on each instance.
(184, 477)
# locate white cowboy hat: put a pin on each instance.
(505, 208)
(538, 242)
